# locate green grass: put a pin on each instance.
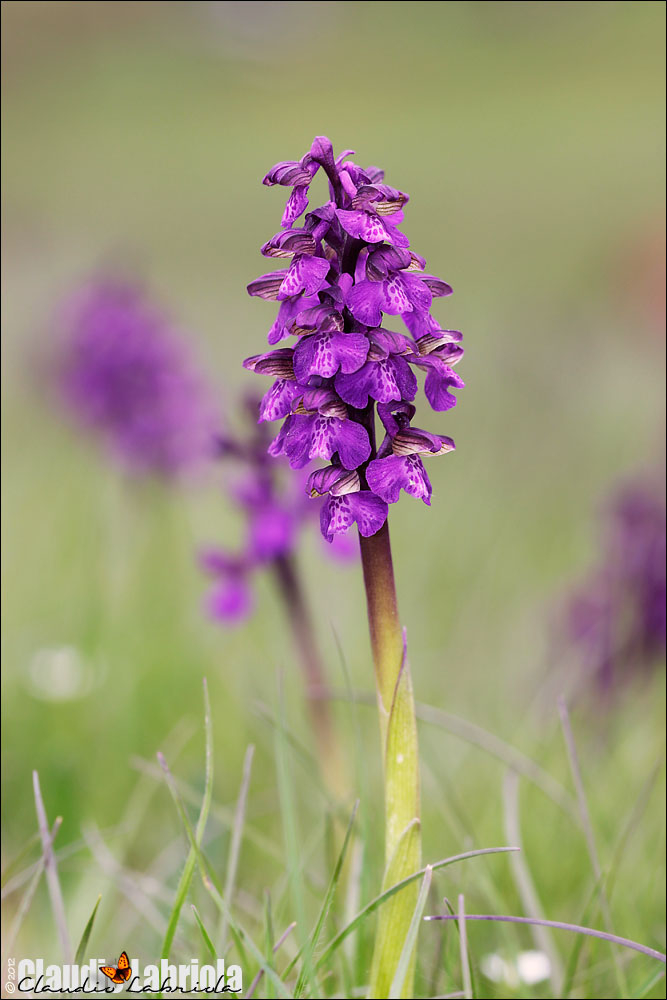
(530, 138)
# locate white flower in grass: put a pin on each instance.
(528, 967)
(59, 674)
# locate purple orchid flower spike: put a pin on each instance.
(350, 267)
(126, 374)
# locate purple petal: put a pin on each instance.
(351, 350)
(296, 204)
(278, 400)
(414, 441)
(317, 436)
(339, 513)
(395, 415)
(272, 532)
(278, 363)
(289, 173)
(352, 443)
(305, 274)
(380, 263)
(322, 151)
(386, 380)
(230, 601)
(325, 352)
(267, 286)
(347, 183)
(367, 227)
(277, 446)
(370, 512)
(343, 548)
(320, 437)
(365, 301)
(296, 441)
(354, 389)
(287, 313)
(437, 286)
(437, 388)
(396, 299)
(420, 323)
(393, 235)
(332, 479)
(388, 342)
(417, 290)
(288, 243)
(335, 516)
(388, 476)
(318, 317)
(405, 379)
(217, 562)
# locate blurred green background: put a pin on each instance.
(530, 137)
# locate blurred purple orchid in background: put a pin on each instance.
(275, 510)
(350, 264)
(126, 374)
(617, 618)
(272, 511)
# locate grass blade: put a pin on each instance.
(463, 946)
(85, 937)
(404, 962)
(649, 984)
(388, 893)
(51, 871)
(587, 825)
(236, 839)
(185, 880)
(292, 839)
(491, 744)
(204, 933)
(326, 906)
(241, 936)
(559, 925)
(256, 981)
(524, 881)
(14, 866)
(26, 901)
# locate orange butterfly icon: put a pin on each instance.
(120, 973)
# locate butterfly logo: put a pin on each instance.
(119, 973)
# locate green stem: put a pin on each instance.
(398, 730)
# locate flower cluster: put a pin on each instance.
(618, 618)
(125, 373)
(349, 265)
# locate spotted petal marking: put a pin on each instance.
(326, 352)
(335, 516)
(305, 274)
(385, 380)
(370, 228)
(339, 513)
(388, 476)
